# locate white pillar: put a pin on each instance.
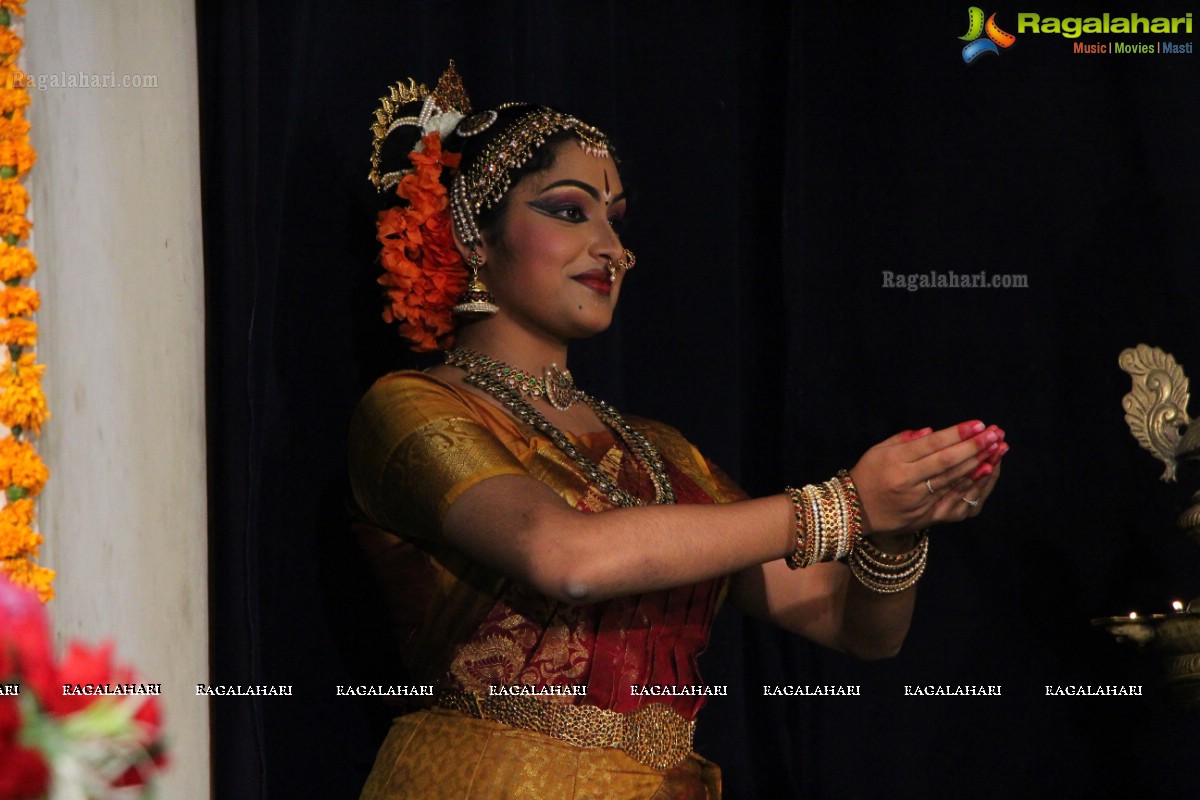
(116, 210)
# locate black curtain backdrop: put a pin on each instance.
(780, 161)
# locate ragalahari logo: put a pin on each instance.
(976, 27)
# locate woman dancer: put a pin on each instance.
(557, 565)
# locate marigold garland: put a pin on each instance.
(22, 402)
(18, 332)
(424, 272)
(12, 98)
(16, 263)
(10, 45)
(13, 197)
(18, 301)
(13, 226)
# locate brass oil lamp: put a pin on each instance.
(1156, 412)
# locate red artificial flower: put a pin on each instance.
(24, 774)
(82, 665)
(149, 718)
(10, 720)
(24, 635)
(26, 656)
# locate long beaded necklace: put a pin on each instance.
(507, 384)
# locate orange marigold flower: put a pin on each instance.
(14, 199)
(16, 262)
(14, 225)
(23, 370)
(18, 540)
(15, 7)
(26, 157)
(12, 100)
(18, 331)
(19, 512)
(22, 401)
(24, 406)
(10, 45)
(24, 572)
(19, 301)
(16, 126)
(31, 475)
(21, 466)
(424, 273)
(15, 146)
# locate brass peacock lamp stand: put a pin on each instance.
(1156, 412)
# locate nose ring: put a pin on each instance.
(627, 262)
(624, 264)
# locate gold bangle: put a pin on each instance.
(886, 573)
(828, 521)
(852, 500)
(798, 557)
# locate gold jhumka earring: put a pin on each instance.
(476, 301)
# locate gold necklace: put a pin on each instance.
(505, 383)
(558, 387)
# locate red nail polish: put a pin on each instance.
(986, 438)
(968, 429)
(982, 471)
(987, 453)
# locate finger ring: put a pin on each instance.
(971, 503)
(929, 486)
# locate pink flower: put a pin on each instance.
(24, 636)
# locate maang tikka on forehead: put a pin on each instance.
(489, 178)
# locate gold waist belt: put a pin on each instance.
(655, 735)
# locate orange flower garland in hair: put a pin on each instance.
(22, 402)
(424, 272)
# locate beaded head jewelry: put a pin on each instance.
(485, 182)
(427, 280)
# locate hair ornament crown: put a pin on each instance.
(442, 110)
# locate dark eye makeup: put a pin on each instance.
(570, 209)
(570, 212)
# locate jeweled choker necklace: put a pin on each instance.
(558, 387)
(507, 384)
